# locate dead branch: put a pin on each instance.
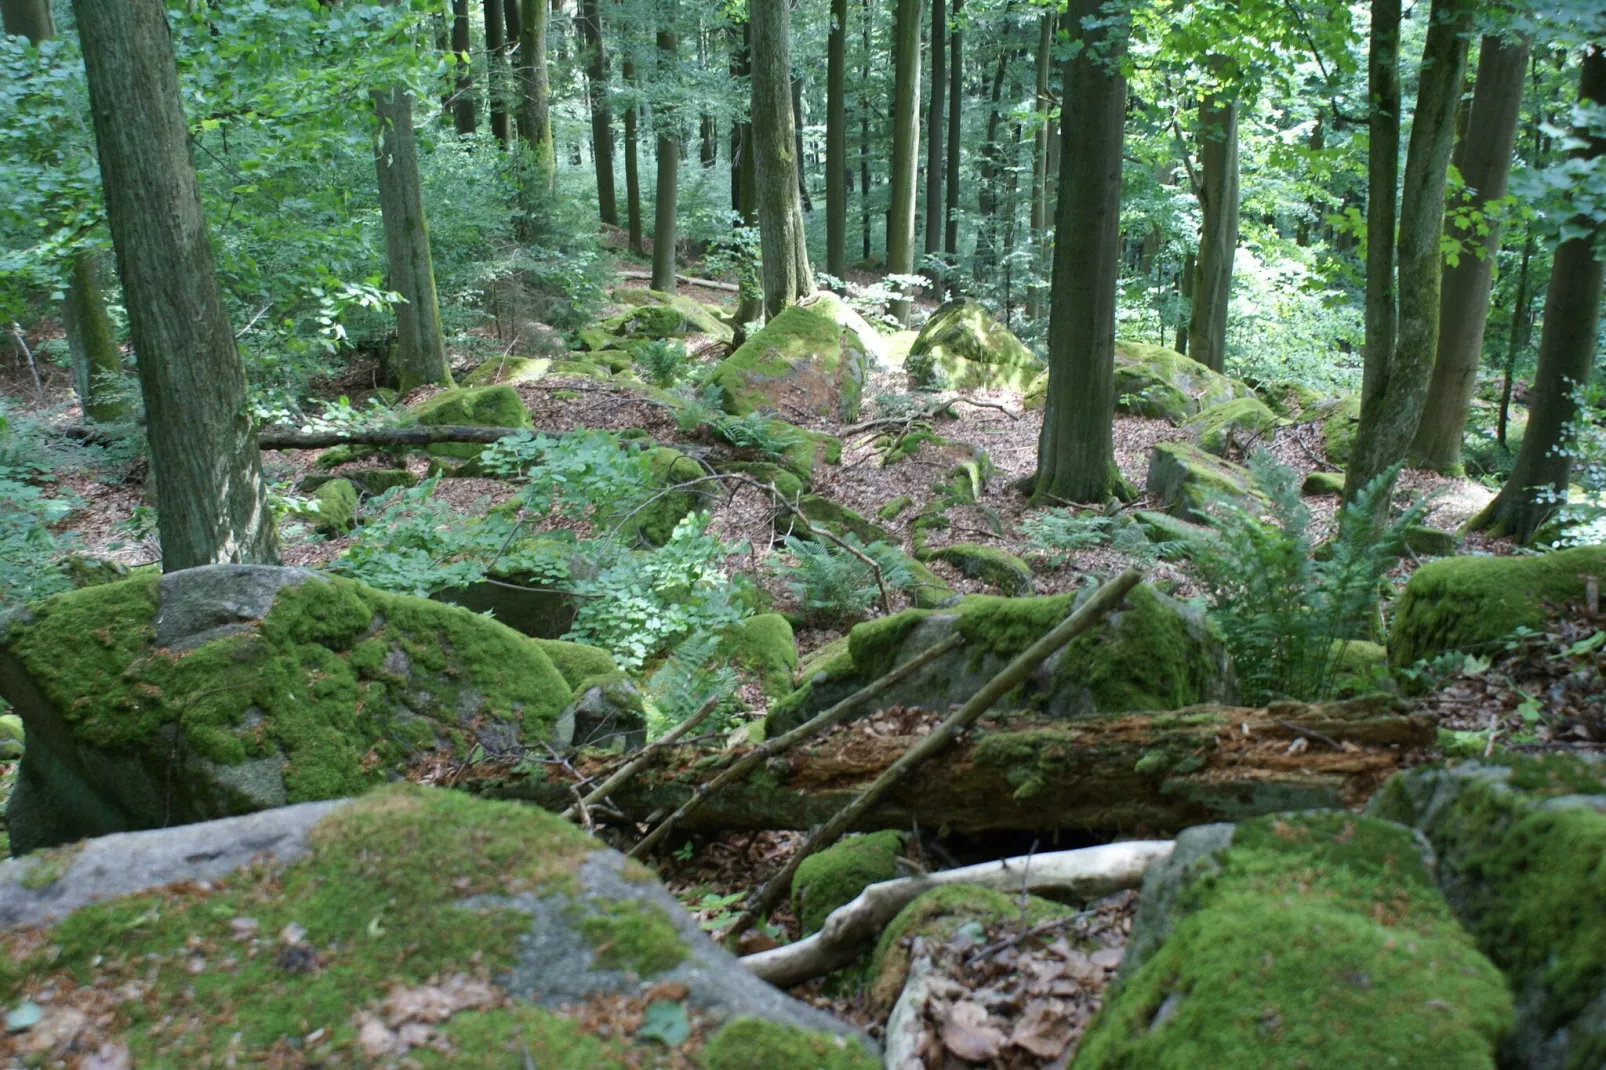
(646, 757)
(728, 287)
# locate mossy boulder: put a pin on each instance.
(1522, 860)
(813, 358)
(1339, 418)
(1471, 603)
(836, 875)
(232, 688)
(471, 406)
(661, 315)
(998, 569)
(1286, 398)
(413, 926)
(895, 508)
(606, 711)
(962, 347)
(839, 520)
(333, 508)
(1153, 653)
(1175, 538)
(1424, 540)
(509, 370)
(654, 523)
(581, 369)
(764, 645)
(1319, 484)
(786, 483)
(1358, 667)
(1239, 422)
(577, 661)
(1184, 480)
(1298, 940)
(1158, 382)
(526, 601)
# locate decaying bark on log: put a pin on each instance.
(1118, 774)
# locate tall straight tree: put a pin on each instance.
(935, 129)
(463, 110)
(632, 163)
(666, 119)
(1037, 297)
(956, 79)
(797, 137)
(1484, 160)
(905, 145)
(497, 75)
(211, 501)
(1395, 383)
(535, 97)
(1076, 451)
(28, 18)
(1540, 474)
(836, 142)
(864, 129)
(1218, 228)
(780, 218)
(601, 113)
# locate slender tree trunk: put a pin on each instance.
(666, 117)
(1464, 298)
(1517, 337)
(987, 195)
(797, 144)
(632, 167)
(707, 128)
(836, 142)
(211, 501)
(535, 104)
(780, 220)
(1186, 280)
(936, 128)
(956, 78)
(905, 145)
(97, 364)
(1391, 410)
(1075, 452)
(463, 111)
(28, 18)
(1539, 477)
(1382, 184)
(741, 70)
(1218, 231)
(1037, 299)
(1011, 187)
(601, 113)
(864, 132)
(497, 76)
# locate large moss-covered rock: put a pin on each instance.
(1153, 653)
(1239, 422)
(607, 711)
(752, 1042)
(1469, 603)
(232, 688)
(1311, 939)
(836, 875)
(1155, 381)
(527, 601)
(333, 508)
(655, 314)
(509, 370)
(962, 347)
(1184, 480)
(998, 569)
(764, 645)
(811, 358)
(471, 406)
(412, 927)
(1522, 861)
(1339, 420)
(839, 520)
(1288, 399)
(654, 523)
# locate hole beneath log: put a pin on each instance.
(970, 848)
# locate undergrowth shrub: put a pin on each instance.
(833, 586)
(662, 361)
(1057, 535)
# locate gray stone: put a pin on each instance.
(202, 604)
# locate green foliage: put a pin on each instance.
(1581, 518)
(832, 585)
(661, 361)
(695, 671)
(1059, 534)
(414, 543)
(580, 475)
(1286, 615)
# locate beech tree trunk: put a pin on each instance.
(905, 145)
(956, 78)
(1037, 298)
(463, 112)
(935, 130)
(1382, 182)
(601, 113)
(535, 100)
(1075, 452)
(780, 218)
(864, 131)
(836, 142)
(632, 167)
(497, 73)
(28, 18)
(97, 363)
(1485, 165)
(1392, 395)
(987, 195)
(1538, 480)
(515, 34)
(666, 118)
(211, 501)
(1218, 231)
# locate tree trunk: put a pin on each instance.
(987, 193)
(1037, 298)
(864, 132)
(535, 102)
(1392, 395)
(28, 18)
(666, 118)
(1218, 231)
(905, 145)
(956, 77)
(780, 220)
(97, 364)
(1538, 480)
(496, 51)
(632, 167)
(836, 142)
(935, 130)
(1464, 299)
(463, 111)
(601, 113)
(1517, 337)
(1075, 452)
(1185, 285)
(211, 501)
(797, 144)
(1382, 183)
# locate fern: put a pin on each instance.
(662, 361)
(694, 672)
(833, 586)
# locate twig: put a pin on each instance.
(988, 405)
(16, 332)
(252, 322)
(645, 758)
(1309, 733)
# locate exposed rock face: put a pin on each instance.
(1183, 479)
(470, 406)
(962, 347)
(1315, 939)
(412, 918)
(234, 688)
(1240, 422)
(1155, 381)
(813, 358)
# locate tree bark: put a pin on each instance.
(780, 219)
(1037, 299)
(935, 130)
(666, 118)
(1392, 395)
(535, 102)
(632, 167)
(905, 145)
(1382, 184)
(1538, 480)
(97, 363)
(1075, 452)
(956, 77)
(1218, 231)
(836, 142)
(1464, 297)
(463, 111)
(987, 193)
(601, 113)
(496, 51)
(1185, 286)
(797, 144)
(1517, 337)
(211, 501)
(864, 131)
(28, 18)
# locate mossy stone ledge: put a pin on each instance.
(1239, 422)
(1154, 381)
(1184, 480)
(961, 347)
(998, 569)
(815, 358)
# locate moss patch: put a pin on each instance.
(806, 357)
(875, 643)
(1240, 421)
(764, 644)
(1154, 381)
(839, 873)
(577, 662)
(999, 569)
(633, 936)
(473, 406)
(747, 1043)
(961, 346)
(655, 522)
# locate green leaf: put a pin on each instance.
(666, 1022)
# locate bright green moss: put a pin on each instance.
(749, 1043)
(875, 643)
(895, 508)
(840, 520)
(474, 406)
(635, 936)
(656, 521)
(1241, 421)
(1339, 421)
(804, 356)
(1154, 381)
(787, 484)
(764, 645)
(837, 874)
(508, 370)
(334, 508)
(577, 661)
(999, 569)
(505, 1037)
(961, 346)
(1319, 483)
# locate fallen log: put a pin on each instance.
(1114, 774)
(1073, 876)
(277, 438)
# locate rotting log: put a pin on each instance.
(1117, 774)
